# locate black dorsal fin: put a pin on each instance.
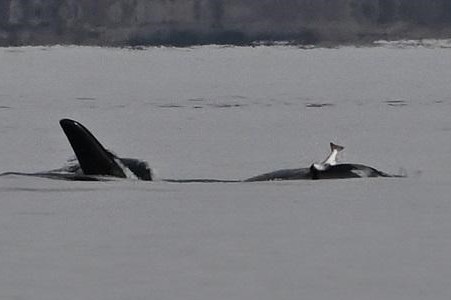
(94, 159)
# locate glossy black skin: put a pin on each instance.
(284, 174)
(339, 171)
(94, 159)
(98, 164)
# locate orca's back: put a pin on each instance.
(285, 174)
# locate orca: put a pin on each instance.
(94, 159)
(95, 163)
(328, 169)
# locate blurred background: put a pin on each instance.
(191, 22)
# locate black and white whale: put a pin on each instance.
(95, 163)
(328, 169)
(94, 159)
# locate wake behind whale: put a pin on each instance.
(95, 163)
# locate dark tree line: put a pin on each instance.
(216, 21)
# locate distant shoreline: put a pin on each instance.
(237, 39)
(233, 22)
